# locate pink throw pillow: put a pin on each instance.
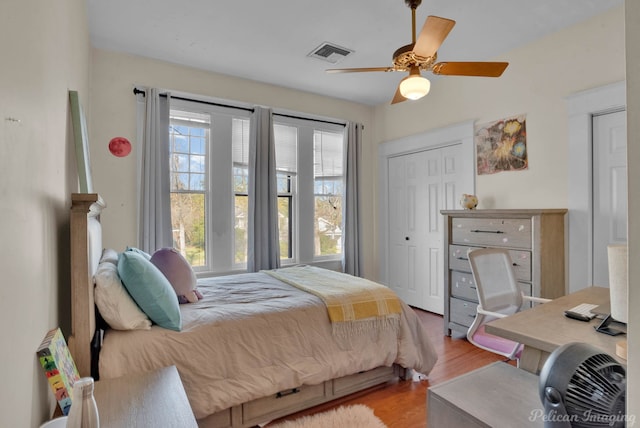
(179, 273)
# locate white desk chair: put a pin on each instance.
(498, 295)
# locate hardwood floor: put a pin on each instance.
(402, 404)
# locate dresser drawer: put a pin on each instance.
(259, 410)
(357, 382)
(521, 264)
(488, 232)
(462, 312)
(463, 285)
(459, 261)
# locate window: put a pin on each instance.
(309, 154)
(286, 142)
(188, 135)
(240, 142)
(328, 191)
(210, 179)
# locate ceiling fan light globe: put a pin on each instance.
(414, 87)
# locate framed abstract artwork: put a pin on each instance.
(80, 135)
(501, 145)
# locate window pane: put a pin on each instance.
(181, 163)
(187, 162)
(328, 189)
(198, 144)
(328, 225)
(241, 220)
(286, 142)
(240, 143)
(241, 179)
(286, 139)
(196, 164)
(284, 225)
(187, 221)
(179, 181)
(196, 182)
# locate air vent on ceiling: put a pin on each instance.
(330, 52)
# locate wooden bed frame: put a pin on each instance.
(86, 250)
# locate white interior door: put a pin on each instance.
(609, 189)
(420, 185)
(406, 202)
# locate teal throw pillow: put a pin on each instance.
(150, 289)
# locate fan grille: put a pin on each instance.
(596, 393)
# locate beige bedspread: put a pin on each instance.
(253, 335)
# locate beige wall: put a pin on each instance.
(44, 52)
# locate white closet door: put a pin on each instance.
(406, 232)
(420, 185)
(609, 189)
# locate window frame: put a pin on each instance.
(304, 209)
(220, 194)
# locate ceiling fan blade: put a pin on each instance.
(398, 98)
(482, 69)
(433, 33)
(355, 70)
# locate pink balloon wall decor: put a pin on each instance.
(119, 146)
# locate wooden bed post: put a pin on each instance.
(85, 208)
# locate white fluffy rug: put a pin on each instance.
(355, 416)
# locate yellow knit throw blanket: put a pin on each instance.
(354, 304)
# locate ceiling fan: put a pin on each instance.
(421, 54)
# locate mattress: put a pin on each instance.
(251, 336)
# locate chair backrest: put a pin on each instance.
(495, 280)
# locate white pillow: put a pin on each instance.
(114, 302)
(109, 255)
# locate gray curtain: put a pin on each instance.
(352, 234)
(154, 209)
(263, 250)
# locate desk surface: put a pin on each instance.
(152, 399)
(545, 327)
(496, 395)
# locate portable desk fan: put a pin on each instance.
(580, 386)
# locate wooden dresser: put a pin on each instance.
(535, 239)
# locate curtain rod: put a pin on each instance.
(137, 91)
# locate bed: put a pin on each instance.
(232, 373)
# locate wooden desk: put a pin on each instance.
(152, 399)
(544, 328)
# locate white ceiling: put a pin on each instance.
(269, 40)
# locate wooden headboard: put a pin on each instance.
(86, 250)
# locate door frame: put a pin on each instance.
(461, 133)
(581, 107)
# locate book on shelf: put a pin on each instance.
(59, 367)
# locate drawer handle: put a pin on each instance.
(288, 392)
(462, 258)
(486, 231)
(472, 316)
(472, 287)
(516, 264)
